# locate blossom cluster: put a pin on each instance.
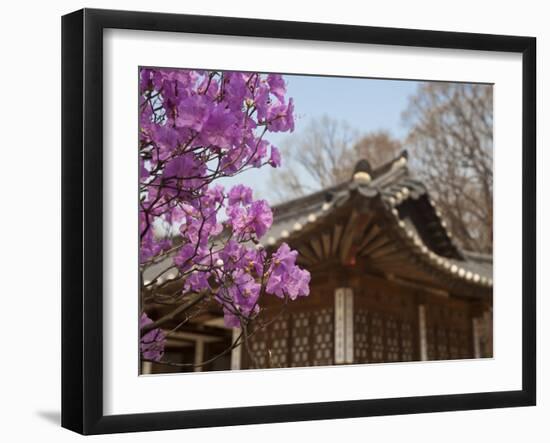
(152, 343)
(197, 127)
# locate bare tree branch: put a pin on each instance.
(325, 153)
(451, 142)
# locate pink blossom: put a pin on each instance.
(240, 195)
(196, 127)
(280, 118)
(260, 217)
(285, 278)
(275, 158)
(277, 86)
(152, 343)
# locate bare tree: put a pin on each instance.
(378, 148)
(451, 142)
(315, 158)
(325, 153)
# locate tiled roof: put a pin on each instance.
(407, 224)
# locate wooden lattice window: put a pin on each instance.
(361, 336)
(382, 337)
(258, 347)
(323, 337)
(407, 343)
(279, 338)
(300, 344)
(448, 330)
(269, 345)
(297, 339)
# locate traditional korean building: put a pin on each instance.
(388, 284)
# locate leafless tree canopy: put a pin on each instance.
(314, 158)
(325, 153)
(451, 151)
(451, 144)
(378, 148)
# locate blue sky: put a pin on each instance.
(365, 104)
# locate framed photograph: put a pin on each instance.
(270, 221)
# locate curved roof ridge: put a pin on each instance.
(303, 201)
(378, 175)
(478, 256)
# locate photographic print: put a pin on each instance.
(301, 220)
(322, 214)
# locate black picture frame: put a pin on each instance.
(82, 218)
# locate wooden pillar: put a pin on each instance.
(476, 334)
(422, 335)
(343, 325)
(482, 331)
(236, 351)
(488, 333)
(199, 354)
(146, 368)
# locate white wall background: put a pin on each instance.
(30, 209)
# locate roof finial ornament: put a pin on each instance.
(401, 160)
(362, 172)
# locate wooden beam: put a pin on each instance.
(302, 261)
(305, 252)
(194, 336)
(423, 287)
(347, 239)
(316, 246)
(374, 245)
(352, 235)
(371, 234)
(384, 251)
(325, 237)
(173, 343)
(391, 256)
(336, 234)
